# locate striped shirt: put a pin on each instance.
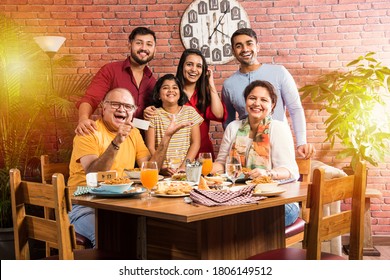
(181, 140)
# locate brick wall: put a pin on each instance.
(308, 37)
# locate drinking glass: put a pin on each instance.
(175, 161)
(149, 176)
(233, 168)
(207, 163)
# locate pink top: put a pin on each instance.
(205, 143)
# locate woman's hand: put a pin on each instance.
(306, 151)
(257, 172)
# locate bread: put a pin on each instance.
(214, 180)
(246, 169)
(180, 176)
(203, 184)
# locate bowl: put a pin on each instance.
(133, 174)
(119, 188)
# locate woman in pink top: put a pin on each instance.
(198, 84)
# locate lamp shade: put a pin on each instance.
(50, 44)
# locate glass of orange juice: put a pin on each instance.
(149, 176)
(207, 163)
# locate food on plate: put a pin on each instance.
(118, 181)
(203, 184)
(246, 171)
(262, 180)
(179, 176)
(173, 188)
(135, 169)
(134, 173)
(214, 180)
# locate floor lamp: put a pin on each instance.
(50, 45)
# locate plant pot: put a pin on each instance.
(7, 248)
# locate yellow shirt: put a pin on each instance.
(96, 144)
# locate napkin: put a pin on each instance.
(82, 190)
(214, 198)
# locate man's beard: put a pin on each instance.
(140, 61)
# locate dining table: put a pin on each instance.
(168, 228)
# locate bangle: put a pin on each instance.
(116, 147)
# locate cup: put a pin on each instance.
(207, 163)
(92, 179)
(193, 171)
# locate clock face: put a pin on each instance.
(207, 25)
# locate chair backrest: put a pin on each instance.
(48, 169)
(27, 226)
(304, 166)
(320, 228)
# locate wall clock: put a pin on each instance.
(207, 25)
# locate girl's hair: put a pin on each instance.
(156, 91)
(202, 85)
(264, 84)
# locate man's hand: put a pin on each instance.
(306, 151)
(86, 127)
(149, 112)
(123, 132)
(174, 127)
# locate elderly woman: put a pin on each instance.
(264, 145)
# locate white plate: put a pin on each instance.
(239, 180)
(171, 195)
(276, 191)
(160, 177)
(111, 194)
(236, 188)
(188, 182)
(274, 184)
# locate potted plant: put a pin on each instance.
(26, 103)
(356, 101)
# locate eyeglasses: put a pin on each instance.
(116, 105)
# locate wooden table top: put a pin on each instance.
(175, 209)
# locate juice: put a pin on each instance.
(207, 166)
(149, 178)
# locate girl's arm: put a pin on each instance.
(216, 103)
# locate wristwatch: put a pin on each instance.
(116, 147)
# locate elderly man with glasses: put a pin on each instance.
(115, 145)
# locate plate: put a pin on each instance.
(111, 194)
(112, 188)
(171, 195)
(239, 180)
(160, 177)
(276, 191)
(188, 182)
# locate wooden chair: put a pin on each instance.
(320, 228)
(47, 170)
(59, 231)
(295, 232)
